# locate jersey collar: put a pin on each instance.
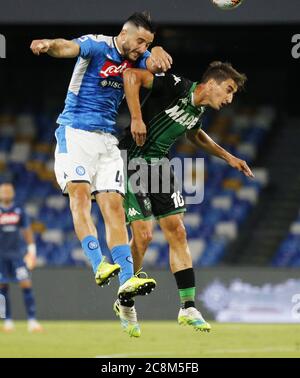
(192, 90)
(6, 208)
(116, 47)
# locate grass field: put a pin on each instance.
(159, 339)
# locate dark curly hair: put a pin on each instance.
(143, 20)
(222, 71)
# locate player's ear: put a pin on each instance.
(123, 35)
(209, 85)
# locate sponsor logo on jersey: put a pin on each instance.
(182, 117)
(111, 68)
(184, 101)
(132, 212)
(108, 83)
(9, 218)
(177, 79)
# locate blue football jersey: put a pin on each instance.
(96, 88)
(12, 219)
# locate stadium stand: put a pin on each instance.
(288, 252)
(26, 156)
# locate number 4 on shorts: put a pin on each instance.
(119, 178)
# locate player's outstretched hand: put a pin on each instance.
(39, 46)
(30, 261)
(241, 165)
(138, 132)
(161, 58)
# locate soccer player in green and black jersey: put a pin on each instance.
(175, 107)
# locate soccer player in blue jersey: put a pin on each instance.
(87, 158)
(14, 227)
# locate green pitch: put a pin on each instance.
(159, 339)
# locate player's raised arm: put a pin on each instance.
(159, 60)
(57, 48)
(134, 79)
(201, 139)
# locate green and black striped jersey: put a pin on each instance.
(168, 113)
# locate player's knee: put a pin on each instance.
(80, 200)
(176, 230)
(142, 234)
(180, 233)
(113, 208)
(116, 207)
(143, 239)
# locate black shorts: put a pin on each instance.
(152, 190)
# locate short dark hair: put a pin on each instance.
(6, 182)
(143, 20)
(223, 71)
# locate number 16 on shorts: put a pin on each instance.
(178, 199)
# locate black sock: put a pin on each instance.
(185, 278)
(188, 304)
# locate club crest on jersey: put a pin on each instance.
(111, 68)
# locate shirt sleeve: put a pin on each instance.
(89, 45)
(198, 125)
(169, 85)
(141, 63)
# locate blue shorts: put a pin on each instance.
(13, 270)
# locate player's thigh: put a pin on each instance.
(109, 177)
(112, 210)
(173, 227)
(76, 155)
(79, 194)
(19, 271)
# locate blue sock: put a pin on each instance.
(4, 292)
(121, 254)
(92, 250)
(29, 303)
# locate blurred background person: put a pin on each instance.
(14, 266)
